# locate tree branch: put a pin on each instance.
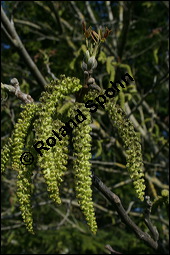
(109, 10)
(77, 11)
(109, 248)
(115, 201)
(150, 91)
(90, 12)
(15, 89)
(15, 40)
(126, 22)
(147, 219)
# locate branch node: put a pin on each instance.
(147, 219)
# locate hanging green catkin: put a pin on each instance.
(56, 91)
(20, 133)
(24, 175)
(91, 95)
(60, 152)
(130, 139)
(132, 146)
(82, 166)
(5, 154)
(46, 161)
(24, 195)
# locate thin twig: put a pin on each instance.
(15, 89)
(150, 91)
(12, 227)
(77, 11)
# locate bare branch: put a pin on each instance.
(146, 135)
(156, 181)
(151, 111)
(166, 3)
(76, 9)
(124, 32)
(90, 12)
(58, 19)
(109, 248)
(135, 122)
(15, 89)
(46, 9)
(109, 10)
(28, 23)
(115, 201)
(12, 227)
(121, 6)
(68, 220)
(49, 71)
(5, 32)
(15, 40)
(65, 217)
(159, 82)
(66, 24)
(147, 219)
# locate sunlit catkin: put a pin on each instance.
(132, 146)
(56, 91)
(5, 154)
(82, 166)
(130, 139)
(24, 175)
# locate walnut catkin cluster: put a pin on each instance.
(41, 121)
